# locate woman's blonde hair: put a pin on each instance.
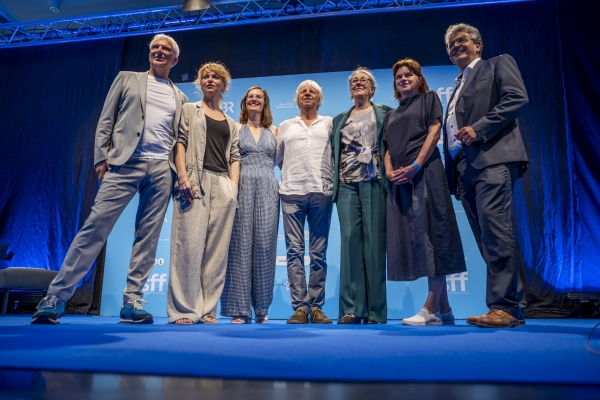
(218, 68)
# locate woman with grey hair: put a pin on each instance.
(359, 189)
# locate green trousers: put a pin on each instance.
(361, 209)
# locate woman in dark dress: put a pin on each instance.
(422, 233)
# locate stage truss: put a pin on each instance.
(219, 14)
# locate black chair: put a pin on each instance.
(21, 278)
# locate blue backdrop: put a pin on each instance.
(466, 290)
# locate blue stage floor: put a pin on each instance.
(543, 351)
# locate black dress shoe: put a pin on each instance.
(371, 322)
(349, 319)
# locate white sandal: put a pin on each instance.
(261, 319)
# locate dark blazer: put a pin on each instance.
(338, 122)
(122, 120)
(490, 102)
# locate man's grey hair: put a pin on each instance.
(313, 85)
(172, 42)
(365, 71)
(470, 30)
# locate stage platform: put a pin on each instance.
(541, 352)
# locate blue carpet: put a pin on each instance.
(543, 351)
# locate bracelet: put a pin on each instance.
(417, 166)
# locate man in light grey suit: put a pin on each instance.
(134, 141)
(484, 155)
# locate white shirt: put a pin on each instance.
(157, 138)
(305, 156)
(454, 145)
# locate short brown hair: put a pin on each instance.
(414, 67)
(218, 68)
(266, 119)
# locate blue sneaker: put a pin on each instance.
(49, 311)
(133, 312)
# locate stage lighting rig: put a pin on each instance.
(194, 5)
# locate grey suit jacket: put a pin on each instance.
(122, 120)
(490, 102)
(338, 122)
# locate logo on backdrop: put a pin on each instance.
(155, 284)
(445, 92)
(227, 107)
(285, 105)
(282, 260)
(457, 283)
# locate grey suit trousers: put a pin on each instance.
(153, 179)
(486, 196)
(296, 209)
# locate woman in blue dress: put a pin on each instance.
(250, 277)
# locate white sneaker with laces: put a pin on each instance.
(423, 318)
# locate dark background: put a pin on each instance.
(52, 95)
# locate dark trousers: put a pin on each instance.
(487, 196)
(361, 209)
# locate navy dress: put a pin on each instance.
(422, 233)
(250, 277)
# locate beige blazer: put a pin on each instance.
(192, 133)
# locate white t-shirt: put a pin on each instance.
(157, 138)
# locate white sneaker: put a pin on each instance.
(423, 318)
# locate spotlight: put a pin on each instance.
(194, 5)
(54, 5)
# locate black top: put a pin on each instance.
(217, 137)
(405, 128)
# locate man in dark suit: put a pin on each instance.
(135, 136)
(484, 155)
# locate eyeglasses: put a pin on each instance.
(362, 81)
(458, 42)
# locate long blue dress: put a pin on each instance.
(250, 277)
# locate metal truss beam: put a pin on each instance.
(219, 14)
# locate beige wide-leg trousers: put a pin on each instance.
(199, 244)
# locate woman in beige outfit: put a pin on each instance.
(208, 168)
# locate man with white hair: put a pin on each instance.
(305, 158)
(134, 141)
